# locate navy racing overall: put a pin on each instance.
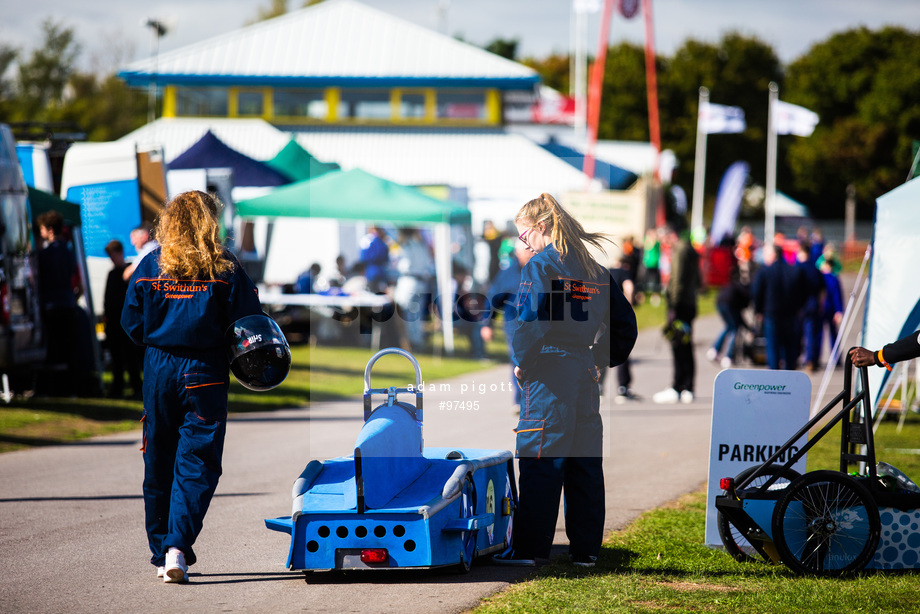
(569, 322)
(186, 380)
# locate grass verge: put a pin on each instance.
(660, 563)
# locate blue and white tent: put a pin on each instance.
(893, 304)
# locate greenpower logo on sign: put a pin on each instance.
(765, 388)
(754, 413)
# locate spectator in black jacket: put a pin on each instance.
(810, 315)
(777, 292)
(683, 286)
(124, 354)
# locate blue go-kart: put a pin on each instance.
(395, 504)
(825, 522)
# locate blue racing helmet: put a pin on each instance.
(259, 355)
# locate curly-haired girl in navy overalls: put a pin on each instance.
(181, 299)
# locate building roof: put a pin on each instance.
(491, 164)
(255, 138)
(611, 176)
(337, 42)
(635, 156)
(500, 170)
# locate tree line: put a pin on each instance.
(864, 84)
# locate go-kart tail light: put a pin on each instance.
(727, 483)
(374, 555)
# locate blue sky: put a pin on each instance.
(112, 33)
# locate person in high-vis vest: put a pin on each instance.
(181, 299)
(571, 320)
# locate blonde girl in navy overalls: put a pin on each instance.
(181, 299)
(571, 321)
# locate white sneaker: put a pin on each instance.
(669, 395)
(712, 355)
(726, 362)
(161, 571)
(686, 396)
(176, 569)
(584, 560)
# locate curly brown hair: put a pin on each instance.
(189, 235)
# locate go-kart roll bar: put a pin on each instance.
(850, 435)
(392, 391)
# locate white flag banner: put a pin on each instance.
(793, 119)
(587, 6)
(721, 119)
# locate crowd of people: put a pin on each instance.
(781, 304)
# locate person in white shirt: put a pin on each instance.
(415, 266)
(143, 241)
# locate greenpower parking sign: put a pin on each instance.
(754, 412)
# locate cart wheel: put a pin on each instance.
(826, 523)
(736, 544)
(467, 538)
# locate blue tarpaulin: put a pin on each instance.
(211, 152)
(612, 177)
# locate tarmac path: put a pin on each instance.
(71, 517)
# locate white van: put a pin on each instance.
(117, 187)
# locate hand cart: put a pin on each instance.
(825, 522)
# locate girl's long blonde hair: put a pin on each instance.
(567, 234)
(189, 235)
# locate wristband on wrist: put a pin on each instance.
(881, 360)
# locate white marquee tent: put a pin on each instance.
(893, 303)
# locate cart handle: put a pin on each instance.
(392, 391)
(848, 403)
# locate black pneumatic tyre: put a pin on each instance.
(826, 523)
(735, 543)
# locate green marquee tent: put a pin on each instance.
(296, 163)
(41, 201)
(360, 196)
(354, 195)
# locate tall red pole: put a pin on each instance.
(594, 89)
(651, 78)
(651, 85)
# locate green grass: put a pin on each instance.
(891, 447)
(659, 563)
